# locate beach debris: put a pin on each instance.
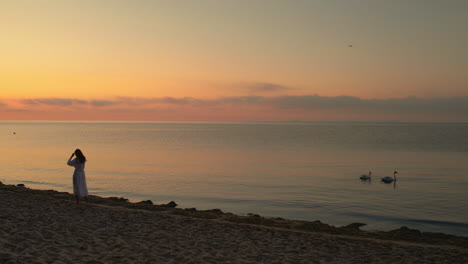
(354, 226)
(216, 211)
(254, 215)
(118, 199)
(145, 202)
(171, 204)
(406, 233)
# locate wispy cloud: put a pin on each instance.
(101, 102)
(305, 107)
(53, 101)
(241, 100)
(158, 100)
(402, 105)
(263, 87)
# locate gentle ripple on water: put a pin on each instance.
(305, 171)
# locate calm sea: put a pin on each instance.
(307, 171)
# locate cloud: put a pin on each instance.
(102, 102)
(66, 102)
(240, 100)
(5, 107)
(406, 105)
(454, 105)
(264, 87)
(53, 101)
(300, 102)
(301, 107)
(176, 101)
(14, 110)
(158, 100)
(317, 102)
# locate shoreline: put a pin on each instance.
(22, 203)
(458, 230)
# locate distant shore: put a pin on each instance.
(45, 225)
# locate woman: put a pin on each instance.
(79, 180)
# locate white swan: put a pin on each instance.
(366, 177)
(388, 179)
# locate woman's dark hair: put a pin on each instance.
(80, 156)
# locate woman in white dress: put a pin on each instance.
(79, 180)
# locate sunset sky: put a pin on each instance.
(234, 60)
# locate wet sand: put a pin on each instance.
(48, 227)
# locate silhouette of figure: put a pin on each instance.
(79, 179)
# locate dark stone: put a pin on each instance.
(146, 202)
(1, 183)
(20, 185)
(118, 199)
(437, 235)
(215, 211)
(316, 226)
(253, 215)
(354, 226)
(191, 209)
(406, 233)
(172, 204)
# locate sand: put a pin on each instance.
(38, 228)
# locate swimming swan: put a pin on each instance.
(366, 177)
(388, 179)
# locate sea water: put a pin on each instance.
(305, 171)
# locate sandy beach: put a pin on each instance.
(48, 227)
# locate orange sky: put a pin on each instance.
(213, 51)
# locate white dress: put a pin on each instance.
(79, 180)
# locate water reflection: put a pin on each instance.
(302, 171)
